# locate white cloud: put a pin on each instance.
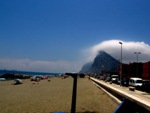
(39, 66)
(113, 48)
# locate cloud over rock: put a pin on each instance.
(113, 48)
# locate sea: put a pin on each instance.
(2, 72)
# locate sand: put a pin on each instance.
(53, 96)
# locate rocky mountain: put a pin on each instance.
(86, 67)
(103, 61)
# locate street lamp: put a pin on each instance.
(137, 53)
(121, 65)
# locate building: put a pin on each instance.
(141, 70)
(146, 71)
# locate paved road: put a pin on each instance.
(141, 98)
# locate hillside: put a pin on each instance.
(102, 61)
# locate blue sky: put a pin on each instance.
(57, 32)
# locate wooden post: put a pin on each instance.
(74, 92)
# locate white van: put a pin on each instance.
(114, 78)
(135, 82)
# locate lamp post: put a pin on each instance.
(137, 53)
(121, 65)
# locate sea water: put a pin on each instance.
(2, 72)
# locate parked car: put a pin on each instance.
(136, 82)
(108, 79)
(146, 86)
(101, 77)
(114, 78)
(125, 82)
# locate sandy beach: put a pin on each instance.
(53, 96)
